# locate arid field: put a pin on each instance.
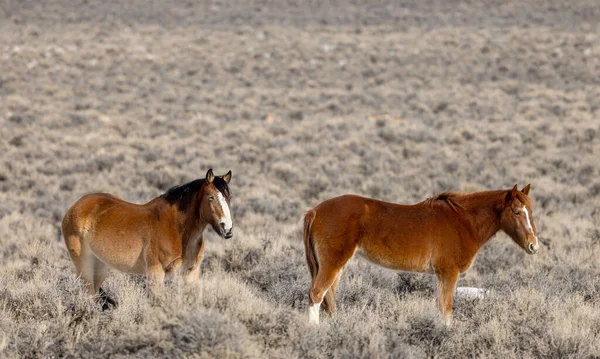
(302, 101)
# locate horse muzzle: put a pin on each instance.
(225, 233)
(533, 248)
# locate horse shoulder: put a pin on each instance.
(166, 220)
(457, 235)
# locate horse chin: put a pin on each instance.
(526, 248)
(218, 231)
(222, 233)
(524, 245)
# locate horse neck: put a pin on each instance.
(187, 216)
(483, 215)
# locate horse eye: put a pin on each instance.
(517, 213)
(210, 199)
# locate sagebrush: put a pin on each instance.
(303, 102)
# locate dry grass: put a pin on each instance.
(302, 104)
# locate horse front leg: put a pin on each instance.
(155, 271)
(446, 285)
(156, 278)
(192, 272)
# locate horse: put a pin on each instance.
(439, 236)
(163, 236)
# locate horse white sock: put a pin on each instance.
(313, 313)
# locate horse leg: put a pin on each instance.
(193, 274)
(82, 258)
(155, 272)
(323, 282)
(330, 295)
(100, 272)
(174, 268)
(446, 286)
(330, 260)
(155, 275)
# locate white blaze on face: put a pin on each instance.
(226, 213)
(530, 228)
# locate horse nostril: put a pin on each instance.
(531, 247)
(222, 224)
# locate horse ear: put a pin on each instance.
(526, 189)
(512, 194)
(227, 177)
(210, 176)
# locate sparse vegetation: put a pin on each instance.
(302, 102)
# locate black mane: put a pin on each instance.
(185, 192)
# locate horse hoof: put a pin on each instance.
(105, 301)
(107, 307)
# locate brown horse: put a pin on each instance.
(440, 236)
(161, 236)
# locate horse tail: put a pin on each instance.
(311, 257)
(312, 260)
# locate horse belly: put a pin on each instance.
(407, 258)
(121, 251)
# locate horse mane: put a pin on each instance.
(450, 198)
(460, 201)
(183, 194)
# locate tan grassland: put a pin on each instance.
(302, 100)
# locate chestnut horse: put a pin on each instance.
(162, 236)
(440, 236)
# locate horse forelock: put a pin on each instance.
(222, 186)
(523, 198)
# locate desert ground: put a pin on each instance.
(303, 101)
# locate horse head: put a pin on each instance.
(214, 203)
(516, 219)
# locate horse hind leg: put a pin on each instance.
(100, 272)
(325, 263)
(90, 269)
(83, 259)
(328, 304)
(321, 292)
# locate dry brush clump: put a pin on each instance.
(302, 102)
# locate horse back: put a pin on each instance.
(347, 221)
(367, 214)
(82, 215)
